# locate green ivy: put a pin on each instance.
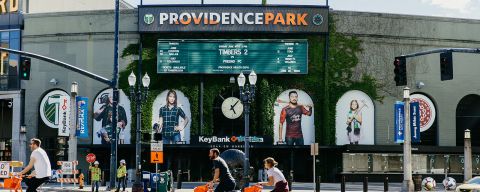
(342, 59)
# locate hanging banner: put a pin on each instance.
(399, 122)
(64, 114)
(82, 117)
(415, 121)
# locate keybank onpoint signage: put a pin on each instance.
(281, 19)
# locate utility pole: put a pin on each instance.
(468, 157)
(407, 145)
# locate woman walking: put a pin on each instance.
(275, 176)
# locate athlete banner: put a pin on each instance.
(415, 121)
(399, 121)
(82, 117)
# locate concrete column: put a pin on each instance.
(468, 157)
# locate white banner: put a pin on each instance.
(64, 117)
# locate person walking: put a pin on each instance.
(221, 173)
(96, 174)
(275, 176)
(41, 163)
(122, 175)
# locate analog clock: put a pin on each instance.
(232, 107)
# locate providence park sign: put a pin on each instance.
(310, 19)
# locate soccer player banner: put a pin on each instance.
(293, 120)
(102, 115)
(171, 116)
(354, 121)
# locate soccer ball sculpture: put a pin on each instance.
(429, 184)
(449, 183)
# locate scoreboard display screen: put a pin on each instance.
(232, 56)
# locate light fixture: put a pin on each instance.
(467, 134)
(420, 85)
(23, 129)
(406, 93)
(53, 81)
(145, 80)
(241, 80)
(252, 78)
(232, 80)
(74, 88)
(132, 79)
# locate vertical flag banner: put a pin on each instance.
(415, 121)
(64, 116)
(82, 117)
(399, 122)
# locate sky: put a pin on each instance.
(469, 9)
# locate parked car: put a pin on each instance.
(473, 185)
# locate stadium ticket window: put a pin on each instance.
(419, 163)
(355, 162)
(476, 164)
(456, 164)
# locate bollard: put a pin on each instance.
(317, 186)
(385, 184)
(342, 185)
(417, 180)
(179, 179)
(290, 183)
(365, 184)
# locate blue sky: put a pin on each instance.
(444, 8)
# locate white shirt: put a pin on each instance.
(276, 174)
(42, 163)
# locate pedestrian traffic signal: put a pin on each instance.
(446, 66)
(25, 64)
(400, 70)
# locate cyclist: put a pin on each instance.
(222, 173)
(40, 162)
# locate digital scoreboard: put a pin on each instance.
(232, 56)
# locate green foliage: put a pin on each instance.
(342, 59)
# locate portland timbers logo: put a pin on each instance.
(50, 108)
(148, 19)
(317, 19)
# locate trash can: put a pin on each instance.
(145, 180)
(160, 182)
(417, 182)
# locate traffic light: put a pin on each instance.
(25, 64)
(446, 66)
(400, 64)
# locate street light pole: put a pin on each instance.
(138, 96)
(407, 145)
(468, 157)
(247, 95)
(72, 142)
(115, 98)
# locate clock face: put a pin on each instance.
(232, 107)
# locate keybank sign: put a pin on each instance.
(227, 139)
(233, 19)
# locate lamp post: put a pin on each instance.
(247, 95)
(468, 157)
(138, 96)
(72, 142)
(407, 145)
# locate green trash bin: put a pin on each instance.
(164, 183)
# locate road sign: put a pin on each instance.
(67, 168)
(156, 147)
(314, 149)
(91, 158)
(156, 157)
(4, 170)
(415, 121)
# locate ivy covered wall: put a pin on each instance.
(341, 62)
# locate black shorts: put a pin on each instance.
(225, 186)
